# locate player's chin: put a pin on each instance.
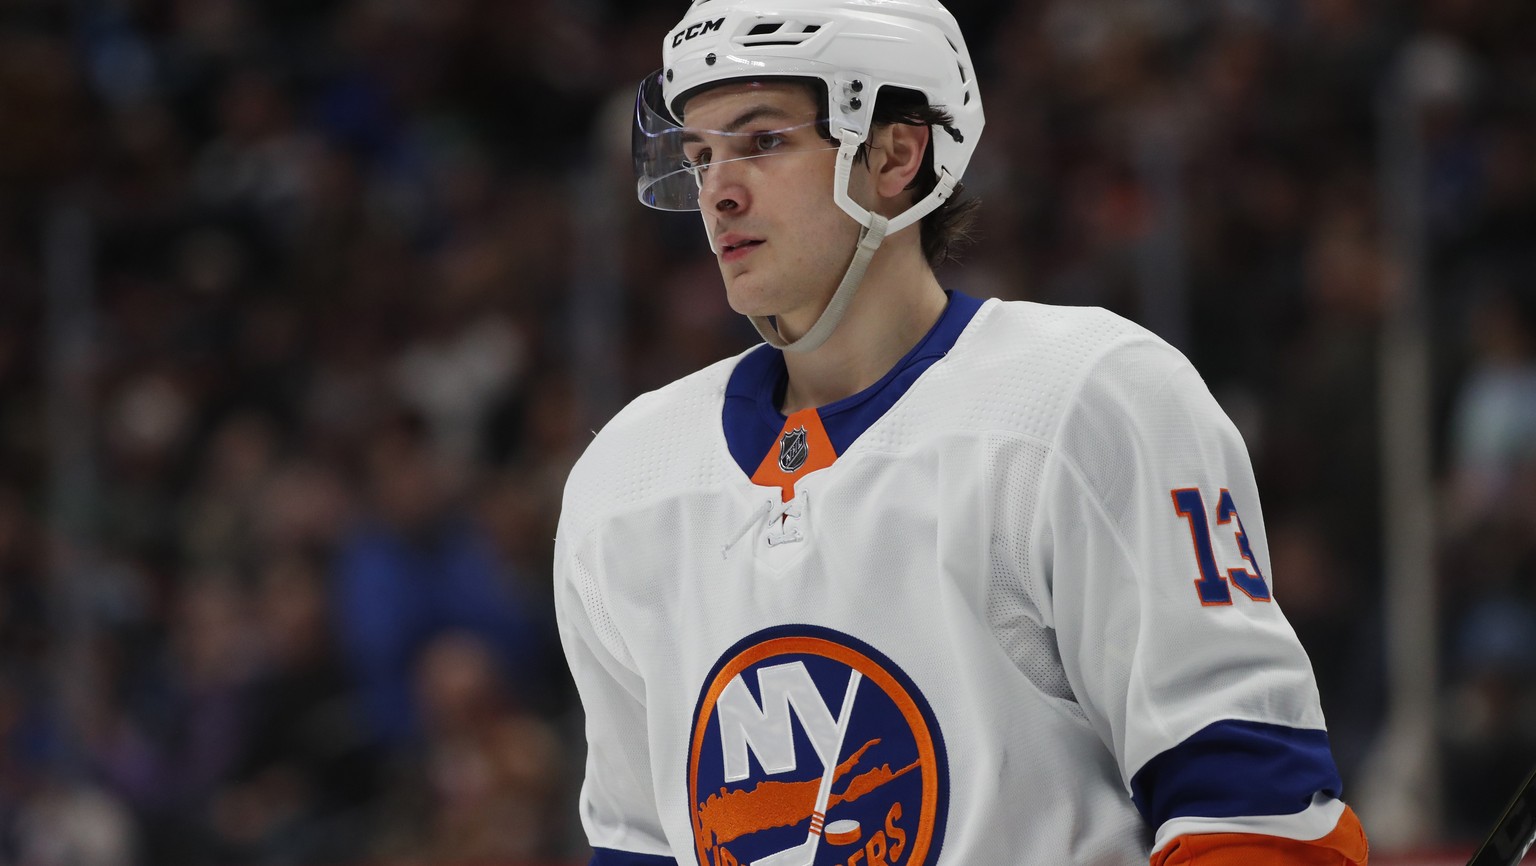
(746, 294)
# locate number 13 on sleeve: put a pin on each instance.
(1213, 587)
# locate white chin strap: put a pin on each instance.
(874, 231)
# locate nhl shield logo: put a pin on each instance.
(793, 449)
(811, 748)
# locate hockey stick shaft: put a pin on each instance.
(1516, 830)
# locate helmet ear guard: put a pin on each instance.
(854, 49)
(943, 188)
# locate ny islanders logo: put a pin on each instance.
(810, 748)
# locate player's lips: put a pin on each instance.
(734, 247)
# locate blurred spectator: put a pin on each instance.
(413, 567)
(221, 514)
(1490, 564)
(167, 745)
(299, 792)
(1493, 422)
(485, 788)
(26, 738)
(1490, 725)
(74, 826)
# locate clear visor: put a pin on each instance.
(672, 161)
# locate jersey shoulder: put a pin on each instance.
(1061, 346)
(662, 441)
(1104, 387)
(1021, 367)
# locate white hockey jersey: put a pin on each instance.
(1019, 613)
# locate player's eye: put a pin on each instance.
(697, 162)
(766, 141)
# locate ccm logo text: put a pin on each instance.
(697, 30)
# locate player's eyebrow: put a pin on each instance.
(756, 112)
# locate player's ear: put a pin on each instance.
(902, 148)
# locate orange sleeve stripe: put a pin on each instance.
(1345, 845)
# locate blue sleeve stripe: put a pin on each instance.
(1237, 769)
(611, 857)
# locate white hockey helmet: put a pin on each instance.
(855, 49)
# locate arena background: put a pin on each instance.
(307, 306)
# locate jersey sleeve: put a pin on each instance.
(618, 805)
(1152, 544)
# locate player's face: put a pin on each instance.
(781, 241)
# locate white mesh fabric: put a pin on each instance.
(1029, 357)
(659, 444)
(596, 609)
(617, 804)
(1012, 613)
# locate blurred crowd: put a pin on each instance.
(307, 307)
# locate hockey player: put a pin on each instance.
(923, 580)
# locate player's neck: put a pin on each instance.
(898, 302)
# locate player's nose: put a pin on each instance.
(723, 188)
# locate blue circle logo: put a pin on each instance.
(811, 748)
